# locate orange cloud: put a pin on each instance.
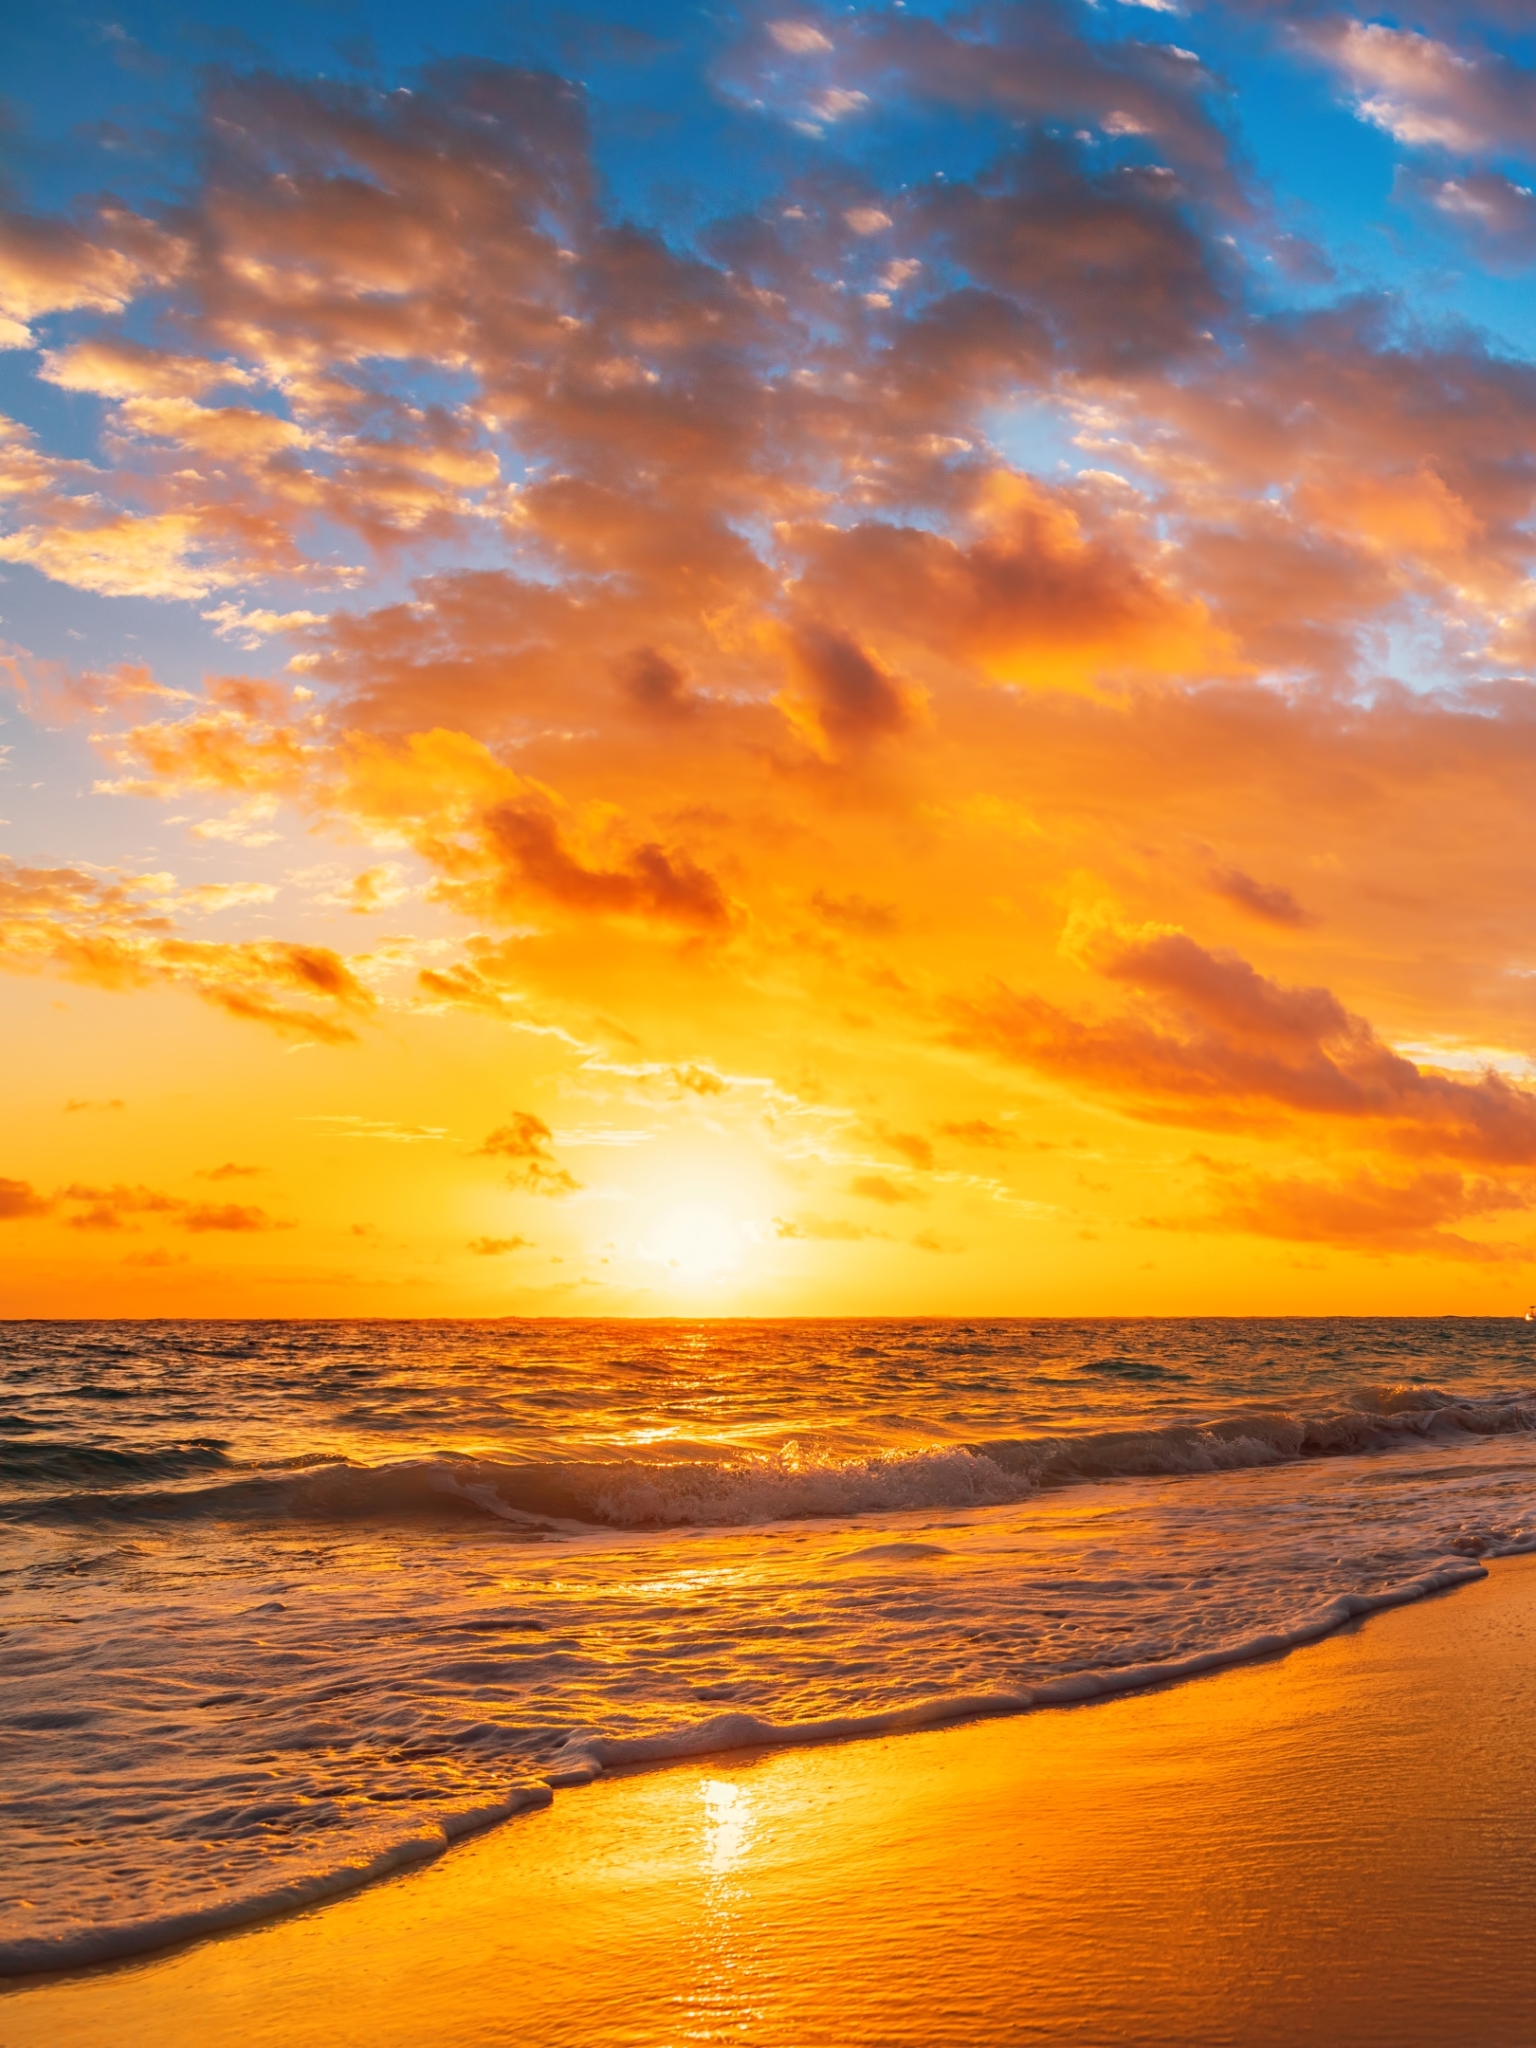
(1034, 600)
(1215, 1043)
(232, 1216)
(1268, 901)
(840, 697)
(649, 882)
(18, 1198)
(113, 935)
(879, 1187)
(525, 1140)
(104, 1208)
(1362, 1212)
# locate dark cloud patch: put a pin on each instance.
(236, 1217)
(525, 1140)
(977, 1130)
(652, 683)
(649, 882)
(860, 916)
(1107, 260)
(1268, 901)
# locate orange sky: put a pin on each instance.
(933, 744)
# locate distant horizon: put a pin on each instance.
(876, 1316)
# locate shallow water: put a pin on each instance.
(286, 1604)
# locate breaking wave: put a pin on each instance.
(794, 1483)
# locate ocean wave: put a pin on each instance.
(589, 1753)
(79, 1947)
(51, 1463)
(796, 1483)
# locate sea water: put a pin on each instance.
(284, 1606)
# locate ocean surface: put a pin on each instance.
(287, 1605)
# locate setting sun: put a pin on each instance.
(694, 1240)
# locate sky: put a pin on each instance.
(663, 660)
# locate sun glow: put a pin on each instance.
(696, 1241)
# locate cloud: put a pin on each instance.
(1361, 1211)
(1024, 64)
(78, 1103)
(840, 698)
(227, 1216)
(228, 1171)
(384, 1129)
(526, 1141)
(1214, 1043)
(47, 266)
(52, 691)
(113, 934)
(655, 685)
(878, 1187)
(978, 1131)
(105, 1208)
(1267, 901)
(1034, 598)
(856, 914)
(111, 1208)
(800, 38)
(372, 889)
(648, 882)
(18, 1199)
(1497, 213)
(248, 628)
(824, 1229)
(1107, 259)
(700, 1080)
(909, 1145)
(1426, 94)
(493, 1247)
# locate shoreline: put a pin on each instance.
(586, 1760)
(648, 1860)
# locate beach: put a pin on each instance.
(1334, 1846)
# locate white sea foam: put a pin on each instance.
(795, 1481)
(66, 1946)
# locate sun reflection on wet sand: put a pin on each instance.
(1333, 1850)
(725, 1993)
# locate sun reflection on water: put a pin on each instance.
(728, 1825)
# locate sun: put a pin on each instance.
(695, 1241)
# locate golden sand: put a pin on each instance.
(1337, 1847)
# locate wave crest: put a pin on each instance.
(790, 1485)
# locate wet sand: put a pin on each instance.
(1336, 1847)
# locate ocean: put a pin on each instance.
(285, 1606)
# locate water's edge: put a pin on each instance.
(587, 1757)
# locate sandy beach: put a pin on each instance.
(1337, 1846)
